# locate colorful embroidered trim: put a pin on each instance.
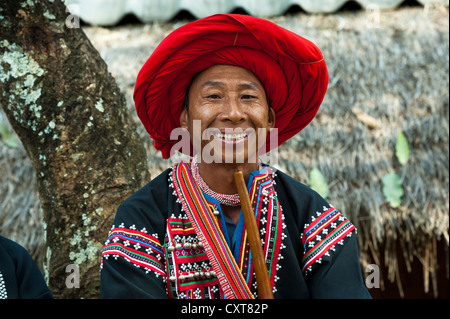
(208, 230)
(268, 215)
(330, 224)
(139, 248)
(187, 265)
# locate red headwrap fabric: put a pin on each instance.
(291, 68)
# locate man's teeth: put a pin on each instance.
(231, 137)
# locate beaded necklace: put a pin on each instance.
(224, 199)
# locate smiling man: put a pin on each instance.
(234, 84)
(230, 104)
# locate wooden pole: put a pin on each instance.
(259, 262)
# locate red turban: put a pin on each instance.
(291, 68)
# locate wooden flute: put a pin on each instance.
(259, 262)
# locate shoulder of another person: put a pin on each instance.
(13, 249)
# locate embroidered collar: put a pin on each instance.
(231, 257)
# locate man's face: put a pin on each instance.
(230, 103)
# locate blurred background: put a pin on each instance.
(379, 144)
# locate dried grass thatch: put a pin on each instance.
(385, 78)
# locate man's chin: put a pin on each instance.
(230, 159)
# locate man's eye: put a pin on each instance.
(213, 96)
(247, 96)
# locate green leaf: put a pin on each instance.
(318, 183)
(402, 149)
(8, 137)
(392, 189)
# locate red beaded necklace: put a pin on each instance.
(225, 199)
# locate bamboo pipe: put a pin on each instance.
(259, 262)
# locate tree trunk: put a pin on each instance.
(73, 122)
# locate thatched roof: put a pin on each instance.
(394, 73)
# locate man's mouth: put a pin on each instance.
(231, 137)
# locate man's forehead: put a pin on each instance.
(218, 75)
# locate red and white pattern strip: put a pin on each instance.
(138, 247)
(326, 230)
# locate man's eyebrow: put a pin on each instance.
(212, 83)
(247, 85)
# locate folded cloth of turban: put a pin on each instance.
(291, 68)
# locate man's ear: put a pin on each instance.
(271, 123)
(184, 118)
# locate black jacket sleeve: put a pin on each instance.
(133, 262)
(20, 278)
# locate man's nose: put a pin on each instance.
(233, 111)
